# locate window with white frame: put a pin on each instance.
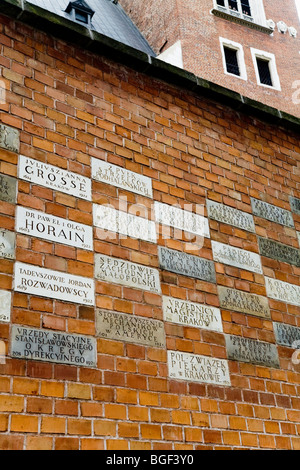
(233, 58)
(248, 10)
(298, 7)
(265, 69)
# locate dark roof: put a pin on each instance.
(109, 19)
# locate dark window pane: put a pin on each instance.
(232, 65)
(81, 16)
(246, 7)
(221, 3)
(233, 4)
(264, 72)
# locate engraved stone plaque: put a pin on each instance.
(122, 178)
(239, 301)
(253, 351)
(130, 328)
(298, 236)
(236, 257)
(53, 346)
(295, 204)
(278, 251)
(286, 334)
(9, 138)
(43, 282)
(192, 314)
(129, 225)
(187, 265)
(5, 305)
(8, 189)
(272, 213)
(7, 244)
(128, 274)
(55, 178)
(181, 219)
(283, 291)
(196, 368)
(55, 229)
(229, 215)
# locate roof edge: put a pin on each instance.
(103, 45)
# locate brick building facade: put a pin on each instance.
(226, 377)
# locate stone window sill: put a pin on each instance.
(238, 18)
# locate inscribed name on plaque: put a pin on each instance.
(53, 346)
(9, 138)
(5, 305)
(286, 334)
(196, 368)
(184, 312)
(7, 244)
(279, 251)
(55, 229)
(229, 215)
(55, 178)
(181, 219)
(121, 178)
(252, 351)
(124, 223)
(283, 291)
(244, 302)
(272, 213)
(236, 257)
(126, 273)
(130, 328)
(43, 282)
(8, 189)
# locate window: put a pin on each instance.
(244, 12)
(81, 16)
(242, 7)
(233, 58)
(265, 69)
(80, 11)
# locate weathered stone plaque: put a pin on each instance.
(9, 138)
(181, 219)
(5, 305)
(121, 178)
(187, 265)
(279, 251)
(128, 274)
(196, 368)
(124, 223)
(43, 282)
(7, 244)
(283, 291)
(8, 189)
(298, 236)
(130, 328)
(239, 301)
(192, 314)
(253, 351)
(236, 257)
(295, 204)
(286, 334)
(272, 213)
(55, 229)
(53, 346)
(229, 215)
(55, 178)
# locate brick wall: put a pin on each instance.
(70, 106)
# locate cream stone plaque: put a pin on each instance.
(55, 178)
(121, 178)
(244, 302)
(196, 368)
(7, 244)
(236, 257)
(43, 282)
(283, 291)
(55, 229)
(192, 314)
(5, 305)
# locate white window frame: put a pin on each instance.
(240, 57)
(257, 54)
(257, 11)
(297, 2)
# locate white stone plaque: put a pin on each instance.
(43, 282)
(121, 178)
(181, 219)
(236, 257)
(5, 305)
(7, 244)
(283, 291)
(55, 229)
(55, 178)
(124, 223)
(229, 215)
(126, 273)
(188, 313)
(53, 346)
(196, 368)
